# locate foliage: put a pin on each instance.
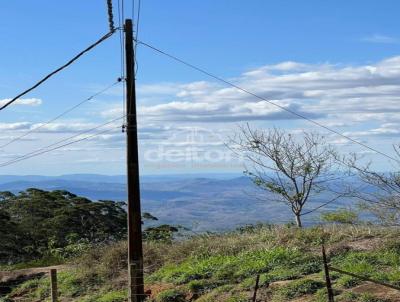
(171, 295)
(11, 238)
(344, 216)
(348, 281)
(276, 261)
(113, 296)
(298, 288)
(223, 267)
(162, 232)
(40, 223)
(37, 224)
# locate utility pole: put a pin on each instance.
(135, 249)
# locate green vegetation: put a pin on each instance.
(42, 228)
(298, 288)
(344, 216)
(223, 267)
(58, 224)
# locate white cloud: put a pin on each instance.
(360, 100)
(66, 127)
(223, 112)
(15, 126)
(113, 112)
(385, 130)
(381, 39)
(25, 102)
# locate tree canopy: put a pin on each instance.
(34, 220)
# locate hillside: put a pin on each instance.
(223, 267)
(200, 202)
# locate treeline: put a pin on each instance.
(36, 224)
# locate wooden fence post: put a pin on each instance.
(256, 288)
(327, 277)
(53, 283)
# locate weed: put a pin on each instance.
(171, 295)
(298, 288)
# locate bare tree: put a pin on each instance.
(292, 168)
(380, 193)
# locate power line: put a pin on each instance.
(43, 149)
(58, 147)
(110, 15)
(320, 206)
(133, 10)
(138, 21)
(121, 38)
(122, 51)
(123, 9)
(137, 34)
(60, 115)
(102, 39)
(264, 99)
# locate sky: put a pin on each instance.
(337, 62)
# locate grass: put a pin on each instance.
(43, 262)
(297, 288)
(223, 267)
(279, 263)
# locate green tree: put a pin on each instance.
(10, 239)
(51, 219)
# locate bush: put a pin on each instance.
(299, 288)
(371, 298)
(344, 216)
(348, 281)
(171, 295)
(199, 286)
(234, 268)
(103, 264)
(113, 296)
(321, 295)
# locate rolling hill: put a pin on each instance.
(201, 202)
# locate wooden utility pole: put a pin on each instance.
(135, 249)
(53, 284)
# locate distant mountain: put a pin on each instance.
(75, 177)
(115, 178)
(202, 203)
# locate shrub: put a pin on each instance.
(348, 297)
(199, 286)
(348, 281)
(171, 295)
(370, 298)
(113, 296)
(69, 284)
(299, 288)
(344, 216)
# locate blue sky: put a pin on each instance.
(336, 61)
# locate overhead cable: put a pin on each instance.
(102, 39)
(201, 70)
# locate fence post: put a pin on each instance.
(256, 288)
(327, 277)
(53, 283)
